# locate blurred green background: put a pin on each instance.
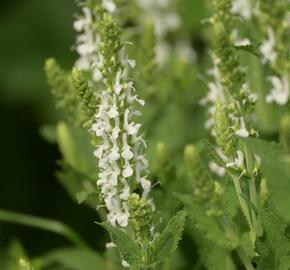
(31, 31)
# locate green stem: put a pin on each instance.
(240, 250)
(253, 198)
(244, 258)
(44, 224)
(244, 206)
(252, 186)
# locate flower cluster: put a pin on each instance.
(274, 21)
(229, 98)
(205, 189)
(215, 94)
(233, 114)
(87, 42)
(88, 39)
(122, 165)
(165, 20)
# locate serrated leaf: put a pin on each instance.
(273, 246)
(253, 48)
(164, 246)
(276, 171)
(129, 250)
(211, 151)
(207, 225)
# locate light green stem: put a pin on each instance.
(252, 186)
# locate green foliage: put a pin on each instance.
(166, 243)
(89, 100)
(275, 168)
(285, 133)
(141, 211)
(74, 144)
(238, 214)
(224, 130)
(202, 184)
(129, 250)
(74, 259)
(232, 75)
(42, 223)
(274, 245)
(216, 258)
(207, 225)
(60, 82)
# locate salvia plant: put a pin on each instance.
(183, 154)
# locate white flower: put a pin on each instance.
(216, 169)
(119, 154)
(242, 132)
(268, 47)
(125, 263)
(280, 90)
(87, 43)
(214, 95)
(243, 8)
(127, 154)
(238, 162)
(84, 21)
(146, 185)
(109, 5)
(110, 245)
(127, 171)
(165, 20)
(113, 112)
(242, 42)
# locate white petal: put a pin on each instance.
(127, 172)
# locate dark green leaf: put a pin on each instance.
(129, 250)
(207, 225)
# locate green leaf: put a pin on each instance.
(273, 246)
(215, 258)
(83, 196)
(48, 133)
(129, 250)
(276, 170)
(207, 225)
(76, 149)
(164, 246)
(253, 48)
(42, 223)
(75, 259)
(80, 187)
(209, 148)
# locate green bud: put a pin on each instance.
(264, 191)
(79, 82)
(60, 82)
(141, 215)
(224, 130)
(86, 94)
(147, 53)
(201, 181)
